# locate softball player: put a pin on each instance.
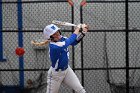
(60, 71)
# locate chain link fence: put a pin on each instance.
(107, 46)
(35, 16)
(99, 60)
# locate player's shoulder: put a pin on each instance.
(65, 37)
(57, 44)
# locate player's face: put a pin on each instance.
(56, 36)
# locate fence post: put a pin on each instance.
(127, 45)
(2, 59)
(20, 44)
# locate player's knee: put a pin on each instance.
(82, 91)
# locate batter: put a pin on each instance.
(60, 71)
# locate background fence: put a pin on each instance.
(106, 61)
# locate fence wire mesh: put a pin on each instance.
(108, 40)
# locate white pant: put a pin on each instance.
(68, 77)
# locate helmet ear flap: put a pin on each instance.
(60, 32)
(51, 38)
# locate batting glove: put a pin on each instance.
(79, 26)
(84, 28)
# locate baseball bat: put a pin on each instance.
(62, 23)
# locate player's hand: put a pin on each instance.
(77, 30)
(79, 26)
(84, 28)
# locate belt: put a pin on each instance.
(61, 69)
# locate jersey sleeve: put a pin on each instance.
(70, 40)
(65, 43)
(74, 43)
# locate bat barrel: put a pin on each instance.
(63, 23)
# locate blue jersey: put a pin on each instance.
(59, 53)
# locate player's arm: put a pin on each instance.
(81, 35)
(67, 42)
(73, 37)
